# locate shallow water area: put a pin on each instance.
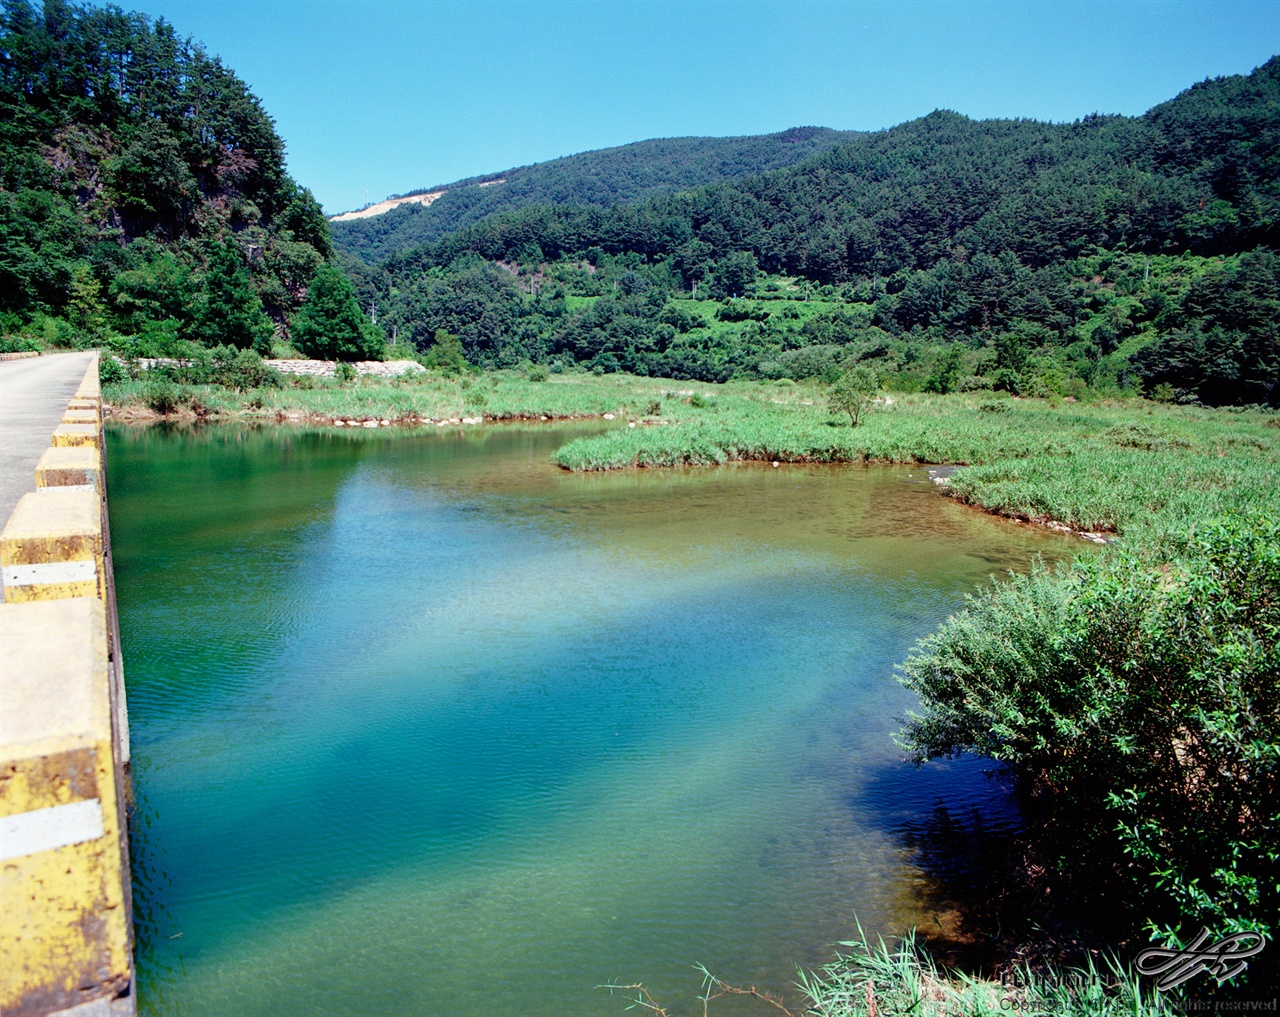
(423, 724)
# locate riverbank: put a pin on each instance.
(1101, 468)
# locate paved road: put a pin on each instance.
(33, 396)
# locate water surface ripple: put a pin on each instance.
(423, 725)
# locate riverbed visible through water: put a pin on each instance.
(425, 725)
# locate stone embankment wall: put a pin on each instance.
(19, 356)
(321, 368)
(66, 923)
(327, 368)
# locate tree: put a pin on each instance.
(231, 313)
(150, 178)
(157, 288)
(734, 275)
(329, 325)
(853, 391)
(84, 306)
(446, 354)
(116, 132)
(946, 369)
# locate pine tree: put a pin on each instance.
(84, 306)
(329, 325)
(446, 354)
(230, 314)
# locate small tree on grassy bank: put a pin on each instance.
(446, 354)
(330, 326)
(853, 391)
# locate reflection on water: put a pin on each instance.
(425, 725)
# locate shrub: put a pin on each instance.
(49, 332)
(741, 310)
(1135, 696)
(537, 372)
(19, 344)
(241, 369)
(110, 371)
(161, 394)
(680, 318)
(946, 370)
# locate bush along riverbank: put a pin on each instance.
(1133, 697)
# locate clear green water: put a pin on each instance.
(423, 725)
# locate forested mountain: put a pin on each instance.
(1198, 173)
(144, 203)
(605, 178)
(142, 186)
(1114, 250)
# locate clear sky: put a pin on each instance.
(395, 95)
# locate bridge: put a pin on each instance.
(66, 924)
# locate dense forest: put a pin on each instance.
(612, 176)
(1113, 252)
(144, 203)
(143, 193)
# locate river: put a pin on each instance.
(423, 725)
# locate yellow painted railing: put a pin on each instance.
(66, 929)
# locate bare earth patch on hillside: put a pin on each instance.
(387, 206)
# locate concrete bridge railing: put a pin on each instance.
(66, 924)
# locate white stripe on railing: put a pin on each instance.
(50, 572)
(68, 487)
(47, 829)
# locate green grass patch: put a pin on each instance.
(1093, 467)
(1108, 467)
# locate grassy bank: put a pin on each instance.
(1108, 466)
(1102, 467)
(498, 395)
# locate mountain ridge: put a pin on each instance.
(604, 177)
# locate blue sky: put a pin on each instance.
(394, 95)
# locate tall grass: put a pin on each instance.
(903, 981)
(496, 395)
(1093, 467)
